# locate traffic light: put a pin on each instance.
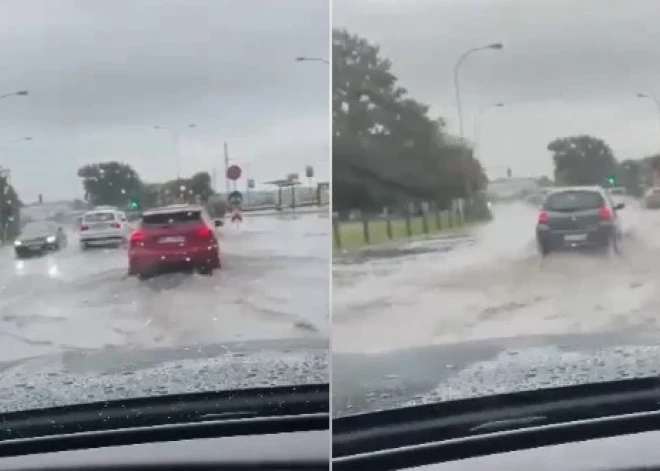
(135, 204)
(611, 180)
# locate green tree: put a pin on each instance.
(630, 176)
(387, 151)
(110, 183)
(10, 204)
(582, 160)
(201, 185)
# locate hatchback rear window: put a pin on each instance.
(178, 217)
(573, 201)
(99, 217)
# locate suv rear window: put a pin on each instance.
(178, 217)
(99, 217)
(577, 200)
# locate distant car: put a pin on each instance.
(180, 237)
(105, 227)
(579, 217)
(651, 198)
(39, 237)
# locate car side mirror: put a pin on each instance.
(218, 223)
(619, 206)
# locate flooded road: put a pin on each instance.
(493, 285)
(273, 284)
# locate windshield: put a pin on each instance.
(473, 151)
(573, 201)
(118, 116)
(39, 228)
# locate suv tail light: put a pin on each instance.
(83, 228)
(115, 225)
(205, 232)
(544, 218)
(605, 214)
(137, 237)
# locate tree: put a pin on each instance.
(110, 183)
(10, 205)
(387, 151)
(201, 185)
(630, 176)
(195, 189)
(582, 160)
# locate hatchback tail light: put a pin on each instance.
(605, 214)
(83, 228)
(115, 225)
(543, 217)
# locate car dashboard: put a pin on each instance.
(307, 450)
(623, 453)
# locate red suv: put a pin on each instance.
(174, 237)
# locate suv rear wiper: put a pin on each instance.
(231, 406)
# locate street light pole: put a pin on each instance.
(459, 62)
(176, 135)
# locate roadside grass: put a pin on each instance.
(351, 233)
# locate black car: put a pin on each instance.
(579, 217)
(39, 237)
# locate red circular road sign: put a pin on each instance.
(234, 172)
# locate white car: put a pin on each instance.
(652, 198)
(102, 227)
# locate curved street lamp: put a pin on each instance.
(18, 93)
(461, 59)
(312, 59)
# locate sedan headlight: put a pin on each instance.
(51, 239)
(17, 242)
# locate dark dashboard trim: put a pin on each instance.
(166, 433)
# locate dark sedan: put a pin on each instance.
(39, 237)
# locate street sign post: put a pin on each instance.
(235, 198)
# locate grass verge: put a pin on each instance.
(351, 234)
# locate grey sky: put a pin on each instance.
(567, 67)
(102, 73)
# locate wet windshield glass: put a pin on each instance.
(454, 274)
(115, 116)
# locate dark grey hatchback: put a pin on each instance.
(579, 217)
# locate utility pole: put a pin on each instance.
(227, 168)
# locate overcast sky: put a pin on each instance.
(567, 67)
(101, 74)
